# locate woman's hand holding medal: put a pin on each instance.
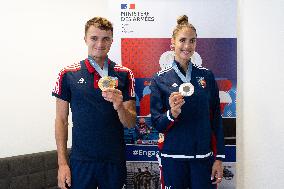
(176, 101)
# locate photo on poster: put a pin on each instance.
(146, 174)
(143, 175)
(144, 56)
(229, 176)
(143, 133)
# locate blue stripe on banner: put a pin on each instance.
(148, 153)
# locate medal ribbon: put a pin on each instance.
(102, 72)
(187, 77)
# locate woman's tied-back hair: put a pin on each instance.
(182, 22)
(99, 22)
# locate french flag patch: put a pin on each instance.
(127, 6)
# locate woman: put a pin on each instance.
(185, 107)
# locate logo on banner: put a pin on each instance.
(130, 14)
(127, 6)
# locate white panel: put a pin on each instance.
(260, 126)
(37, 39)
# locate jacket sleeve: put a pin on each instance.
(216, 120)
(162, 120)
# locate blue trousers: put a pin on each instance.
(92, 174)
(182, 174)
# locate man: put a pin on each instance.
(99, 112)
(142, 129)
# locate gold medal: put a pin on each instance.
(186, 89)
(107, 82)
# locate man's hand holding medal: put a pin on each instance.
(109, 92)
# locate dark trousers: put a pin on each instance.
(92, 174)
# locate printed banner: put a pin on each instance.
(142, 33)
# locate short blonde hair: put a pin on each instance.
(99, 22)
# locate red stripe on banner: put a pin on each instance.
(224, 85)
(142, 55)
(145, 105)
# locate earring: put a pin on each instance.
(172, 47)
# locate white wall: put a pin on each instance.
(260, 125)
(37, 38)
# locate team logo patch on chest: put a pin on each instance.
(201, 81)
(174, 85)
(82, 80)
